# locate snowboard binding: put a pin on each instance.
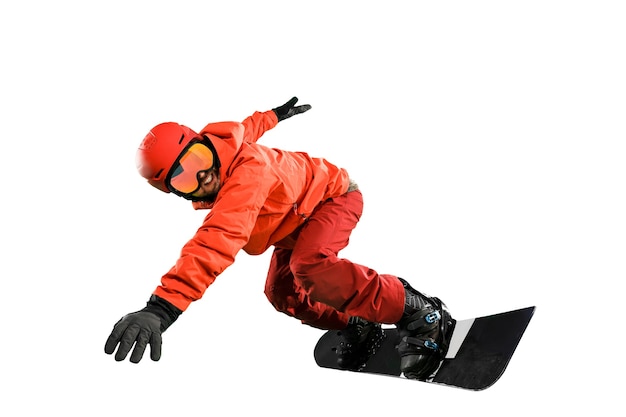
(359, 341)
(424, 333)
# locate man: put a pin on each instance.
(304, 207)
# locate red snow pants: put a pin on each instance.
(307, 279)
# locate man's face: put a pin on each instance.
(209, 185)
(195, 174)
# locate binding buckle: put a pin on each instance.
(433, 317)
(431, 345)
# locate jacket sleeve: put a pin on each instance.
(257, 124)
(225, 231)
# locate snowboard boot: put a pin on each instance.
(360, 340)
(424, 331)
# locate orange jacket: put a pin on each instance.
(265, 195)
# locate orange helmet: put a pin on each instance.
(160, 151)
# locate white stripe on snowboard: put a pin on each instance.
(461, 329)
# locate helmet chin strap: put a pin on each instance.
(207, 199)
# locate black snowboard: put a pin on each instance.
(480, 350)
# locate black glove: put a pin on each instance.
(143, 327)
(287, 110)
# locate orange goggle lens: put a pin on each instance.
(197, 157)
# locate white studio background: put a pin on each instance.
(487, 137)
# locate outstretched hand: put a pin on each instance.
(290, 109)
(140, 329)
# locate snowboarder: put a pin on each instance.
(303, 207)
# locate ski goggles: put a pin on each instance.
(196, 157)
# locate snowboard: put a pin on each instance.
(479, 351)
